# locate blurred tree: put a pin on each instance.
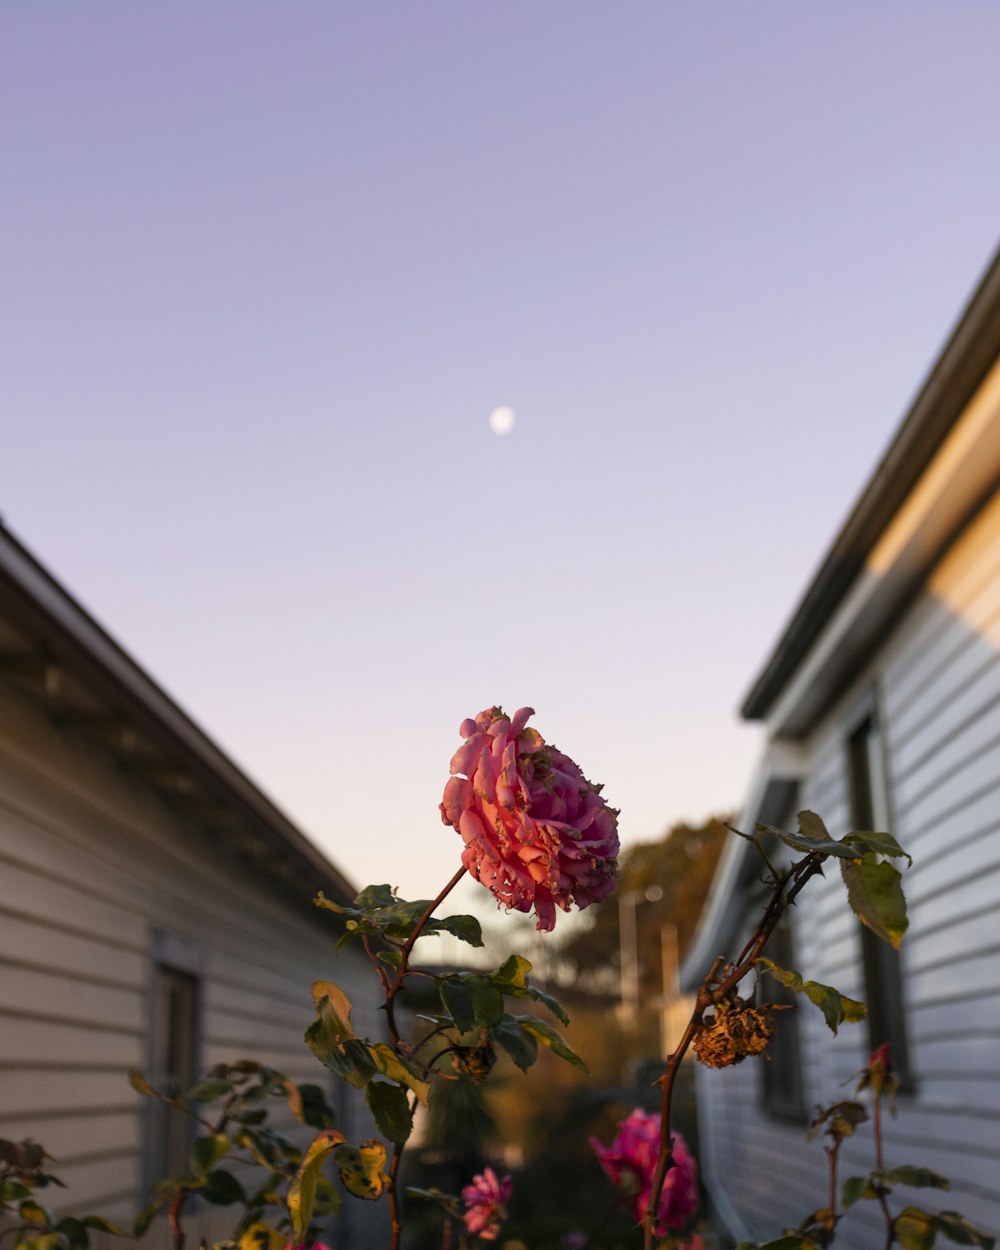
(682, 864)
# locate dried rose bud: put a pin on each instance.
(475, 1062)
(735, 1030)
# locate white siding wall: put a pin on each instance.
(938, 683)
(90, 864)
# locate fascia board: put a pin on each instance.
(967, 358)
(54, 613)
(957, 482)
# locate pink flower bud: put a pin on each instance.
(630, 1162)
(484, 1200)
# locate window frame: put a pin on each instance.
(870, 807)
(173, 1041)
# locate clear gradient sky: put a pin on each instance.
(268, 267)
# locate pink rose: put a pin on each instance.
(484, 1199)
(630, 1161)
(537, 832)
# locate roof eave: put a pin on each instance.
(963, 364)
(67, 634)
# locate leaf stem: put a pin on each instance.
(397, 984)
(890, 1223)
(174, 1218)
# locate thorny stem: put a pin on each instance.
(174, 1219)
(418, 928)
(390, 1011)
(395, 1222)
(785, 890)
(890, 1224)
(831, 1154)
(382, 974)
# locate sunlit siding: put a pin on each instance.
(937, 680)
(91, 863)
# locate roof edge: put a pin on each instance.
(961, 366)
(49, 604)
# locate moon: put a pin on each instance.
(502, 420)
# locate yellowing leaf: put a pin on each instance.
(339, 1003)
(362, 1169)
(262, 1237)
(302, 1189)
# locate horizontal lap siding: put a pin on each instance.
(90, 864)
(760, 1163)
(938, 680)
(941, 696)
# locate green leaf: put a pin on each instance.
(11, 1190)
(398, 1069)
(456, 997)
(472, 1000)
(362, 1169)
(435, 1195)
(315, 1111)
(836, 1007)
(374, 897)
(812, 838)
(208, 1091)
(487, 1002)
(794, 1241)
(207, 1151)
(512, 975)
(74, 1232)
(222, 1189)
(101, 1225)
(878, 844)
(391, 957)
(543, 1032)
(390, 1110)
(521, 1046)
(854, 1189)
(914, 1229)
(916, 1178)
(512, 978)
(352, 1062)
(147, 1215)
(465, 928)
(838, 1121)
(302, 1187)
(951, 1225)
(876, 897)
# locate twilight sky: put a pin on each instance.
(269, 266)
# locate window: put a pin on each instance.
(881, 964)
(173, 1051)
(782, 1075)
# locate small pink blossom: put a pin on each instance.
(630, 1161)
(537, 832)
(485, 1199)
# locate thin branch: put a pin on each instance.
(396, 986)
(710, 992)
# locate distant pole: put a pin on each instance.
(629, 946)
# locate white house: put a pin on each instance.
(881, 703)
(155, 906)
